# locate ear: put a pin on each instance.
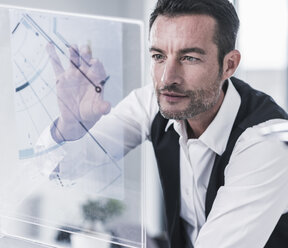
(230, 63)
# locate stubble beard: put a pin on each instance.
(201, 100)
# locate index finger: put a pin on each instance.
(74, 56)
(55, 61)
(85, 55)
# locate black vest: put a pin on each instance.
(256, 107)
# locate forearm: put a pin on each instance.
(114, 135)
(69, 157)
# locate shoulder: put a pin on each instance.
(139, 108)
(256, 106)
(144, 99)
(254, 151)
(257, 158)
(254, 135)
(141, 98)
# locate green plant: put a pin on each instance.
(101, 210)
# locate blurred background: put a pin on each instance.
(262, 42)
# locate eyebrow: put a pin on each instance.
(155, 49)
(182, 51)
(192, 50)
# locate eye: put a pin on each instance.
(159, 58)
(189, 59)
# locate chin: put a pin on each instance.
(172, 114)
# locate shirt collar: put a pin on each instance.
(217, 133)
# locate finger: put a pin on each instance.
(101, 107)
(96, 74)
(97, 69)
(55, 61)
(105, 107)
(85, 55)
(74, 56)
(98, 80)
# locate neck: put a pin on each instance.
(198, 124)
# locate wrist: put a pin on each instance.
(61, 131)
(56, 135)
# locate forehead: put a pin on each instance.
(185, 28)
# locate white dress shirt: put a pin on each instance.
(246, 208)
(197, 158)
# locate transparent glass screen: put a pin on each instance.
(83, 193)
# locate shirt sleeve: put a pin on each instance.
(254, 196)
(113, 136)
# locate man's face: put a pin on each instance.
(185, 67)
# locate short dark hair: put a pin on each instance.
(221, 10)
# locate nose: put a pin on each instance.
(171, 73)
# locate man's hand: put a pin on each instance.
(79, 92)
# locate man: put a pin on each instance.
(224, 184)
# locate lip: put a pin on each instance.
(173, 94)
(173, 97)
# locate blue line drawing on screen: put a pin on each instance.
(35, 92)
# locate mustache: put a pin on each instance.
(172, 88)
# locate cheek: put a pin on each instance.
(201, 75)
(156, 73)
